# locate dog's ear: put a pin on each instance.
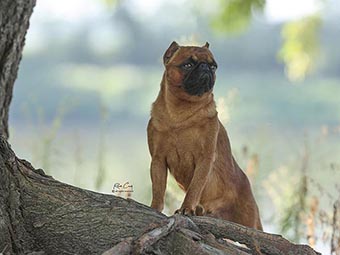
(170, 52)
(206, 45)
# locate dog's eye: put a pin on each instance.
(213, 68)
(188, 65)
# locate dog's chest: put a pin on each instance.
(183, 150)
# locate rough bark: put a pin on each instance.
(40, 214)
(14, 22)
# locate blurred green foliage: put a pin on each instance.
(235, 15)
(111, 3)
(300, 46)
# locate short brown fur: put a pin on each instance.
(186, 137)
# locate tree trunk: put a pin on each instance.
(14, 22)
(39, 215)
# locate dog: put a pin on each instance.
(186, 137)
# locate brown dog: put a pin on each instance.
(186, 137)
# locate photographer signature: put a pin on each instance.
(122, 187)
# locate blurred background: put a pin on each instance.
(91, 70)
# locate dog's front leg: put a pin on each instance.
(158, 171)
(204, 166)
(190, 204)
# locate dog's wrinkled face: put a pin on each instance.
(190, 70)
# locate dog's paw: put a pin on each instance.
(197, 211)
(185, 211)
(157, 205)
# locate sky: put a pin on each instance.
(278, 10)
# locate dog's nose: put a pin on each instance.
(204, 67)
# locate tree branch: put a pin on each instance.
(45, 215)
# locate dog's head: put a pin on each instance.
(189, 70)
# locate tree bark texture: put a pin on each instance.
(42, 215)
(14, 22)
